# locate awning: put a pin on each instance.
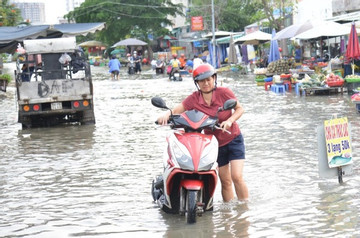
(344, 18)
(92, 43)
(254, 38)
(218, 34)
(11, 36)
(226, 39)
(79, 28)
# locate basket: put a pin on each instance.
(269, 79)
(335, 83)
(352, 80)
(286, 76)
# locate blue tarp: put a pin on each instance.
(11, 36)
(274, 48)
(220, 55)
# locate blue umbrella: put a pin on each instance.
(274, 49)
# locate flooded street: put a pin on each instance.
(95, 181)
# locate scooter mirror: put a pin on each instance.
(229, 104)
(158, 102)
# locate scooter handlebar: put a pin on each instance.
(157, 123)
(219, 128)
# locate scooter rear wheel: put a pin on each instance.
(191, 206)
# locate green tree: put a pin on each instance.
(283, 7)
(9, 14)
(135, 18)
(230, 15)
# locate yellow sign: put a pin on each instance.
(338, 145)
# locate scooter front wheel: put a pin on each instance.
(191, 206)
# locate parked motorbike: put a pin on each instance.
(160, 67)
(131, 67)
(188, 182)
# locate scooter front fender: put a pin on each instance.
(191, 184)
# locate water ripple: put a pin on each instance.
(94, 181)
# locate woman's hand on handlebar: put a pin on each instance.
(163, 120)
(225, 125)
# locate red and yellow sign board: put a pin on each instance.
(338, 145)
(197, 23)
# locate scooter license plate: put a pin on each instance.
(56, 106)
(177, 75)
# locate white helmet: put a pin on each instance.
(135, 52)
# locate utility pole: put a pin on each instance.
(213, 33)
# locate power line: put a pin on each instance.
(100, 6)
(133, 16)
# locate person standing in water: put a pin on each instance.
(114, 67)
(231, 156)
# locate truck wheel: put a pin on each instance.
(25, 122)
(88, 118)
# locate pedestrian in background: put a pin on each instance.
(114, 67)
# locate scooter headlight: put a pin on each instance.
(182, 157)
(209, 156)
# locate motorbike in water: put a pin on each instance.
(189, 179)
(175, 75)
(159, 67)
(131, 67)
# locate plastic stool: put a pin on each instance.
(287, 84)
(278, 88)
(297, 89)
(267, 85)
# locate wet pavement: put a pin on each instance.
(95, 181)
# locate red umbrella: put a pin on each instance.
(353, 49)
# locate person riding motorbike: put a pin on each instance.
(160, 66)
(175, 65)
(231, 155)
(182, 60)
(131, 64)
(137, 60)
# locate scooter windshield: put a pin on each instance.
(194, 115)
(194, 120)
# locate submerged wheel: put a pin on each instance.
(25, 121)
(191, 206)
(88, 117)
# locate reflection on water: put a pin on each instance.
(94, 181)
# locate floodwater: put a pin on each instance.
(94, 181)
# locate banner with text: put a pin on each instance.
(197, 23)
(338, 145)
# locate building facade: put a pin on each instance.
(33, 12)
(72, 4)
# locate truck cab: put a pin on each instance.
(53, 83)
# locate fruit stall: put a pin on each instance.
(321, 84)
(311, 78)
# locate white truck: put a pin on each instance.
(53, 83)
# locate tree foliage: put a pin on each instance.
(283, 7)
(135, 18)
(230, 15)
(9, 14)
(234, 15)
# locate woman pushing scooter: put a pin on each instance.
(231, 154)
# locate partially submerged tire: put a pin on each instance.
(88, 117)
(25, 121)
(191, 206)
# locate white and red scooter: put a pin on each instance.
(188, 182)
